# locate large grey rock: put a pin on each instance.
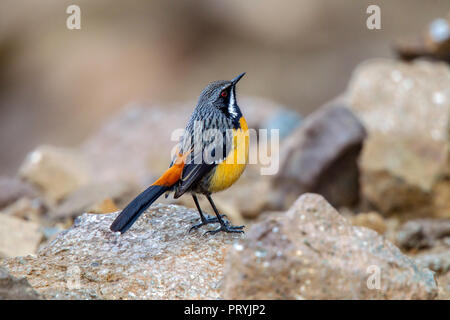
(156, 259)
(12, 288)
(405, 108)
(312, 252)
(321, 156)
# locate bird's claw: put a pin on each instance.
(208, 220)
(226, 227)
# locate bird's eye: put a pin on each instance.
(224, 93)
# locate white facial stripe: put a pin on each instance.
(232, 104)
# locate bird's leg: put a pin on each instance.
(204, 220)
(224, 226)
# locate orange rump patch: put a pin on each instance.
(173, 174)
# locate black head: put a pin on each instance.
(222, 96)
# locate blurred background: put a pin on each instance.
(86, 118)
(58, 85)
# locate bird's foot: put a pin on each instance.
(208, 220)
(226, 227)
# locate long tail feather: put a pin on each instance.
(136, 207)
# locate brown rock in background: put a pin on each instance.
(321, 156)
(18, 237)
(12, 189)
(106, 206)
(26, 209)
(56, 172)
(371, 220)
(423, 233)
(433, 44)
(312, 252)
(406, 110)
(93, 195)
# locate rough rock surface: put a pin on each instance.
(312, 252)
(156, 259)
(405, 108)
(12, 288)
(321, 157)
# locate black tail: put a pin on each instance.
(136, 207)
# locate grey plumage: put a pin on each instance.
(209, 134)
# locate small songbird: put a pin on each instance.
(212, 155)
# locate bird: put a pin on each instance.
(211, 156)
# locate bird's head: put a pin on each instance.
(222, 95)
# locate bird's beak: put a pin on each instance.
(235, 80)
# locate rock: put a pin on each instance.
(285, 121)
(406, 110)
(422, 233)
(12, 189)
(312, 252)
(55, 171)
(438, 38)
(106, 206)
(156, 259)
(92, 197)
(12, 288)
(140, 137)
(18, 237)
(433, 44)
(262, 113)
(321, 156)
(437, 259)
(444, 286)
(26, 209)
(371, 220)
